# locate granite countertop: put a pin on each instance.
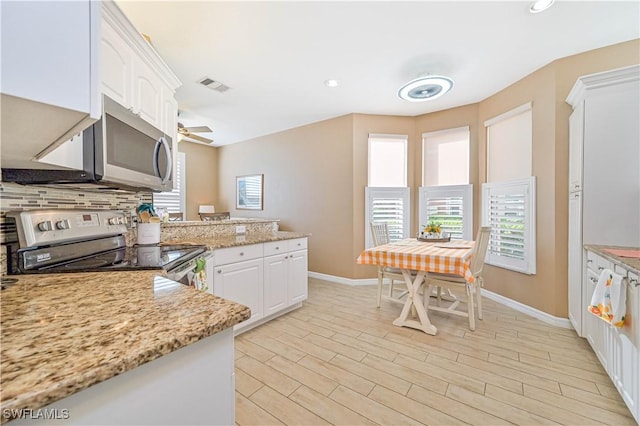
(240, 240)
(630, 263)
(232, 221)
(62, 333)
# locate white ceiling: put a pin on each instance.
(275, 56)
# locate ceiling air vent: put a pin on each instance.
(214, 85)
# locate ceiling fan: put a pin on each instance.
(189, 133)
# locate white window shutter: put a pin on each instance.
(509, 209)
(387, 205)
(174, 201)
(451, 206)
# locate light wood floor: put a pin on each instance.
(339, 360)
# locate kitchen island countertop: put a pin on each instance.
(225, 241)
(62, 333)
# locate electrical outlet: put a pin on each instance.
(241, 229)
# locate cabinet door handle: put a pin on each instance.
(277, 248)
(589, 261)
(219, 271)
(600, 268)
(241, 253)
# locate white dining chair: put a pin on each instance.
(380, 236)
(449, 281)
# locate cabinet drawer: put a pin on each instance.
(237, 254)
(297, 244)
(597, 263)
(276, 247)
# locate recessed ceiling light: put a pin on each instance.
(540, 5)
(425, 88)
(331, 83)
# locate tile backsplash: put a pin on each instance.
(29, 197)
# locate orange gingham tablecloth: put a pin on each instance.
(421, 256)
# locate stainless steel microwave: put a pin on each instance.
(120, 150)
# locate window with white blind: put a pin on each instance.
(174, 201)
(390, 205)
(387, 194)
(508, 197)
(509, 209)
(446, 196)
(451, 206)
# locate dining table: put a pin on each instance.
(419, 257)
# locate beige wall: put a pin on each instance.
(307, 185)
(539, 89)
(201, 177)
(547, 89)
(315, 175)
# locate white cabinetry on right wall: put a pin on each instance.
(604, 175)
(604, 208)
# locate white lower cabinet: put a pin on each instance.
(275, 283)
(297, 288)
(618, 349)
(241, 282)
(272, 280)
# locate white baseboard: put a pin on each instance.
(521, 307)
(342, 280)
(526, 309)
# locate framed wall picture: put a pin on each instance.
(249, 194)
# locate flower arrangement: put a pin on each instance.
(432, 231)
(433, 228)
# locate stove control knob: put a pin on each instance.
(116, 220)
(45, 226)
(63, 224)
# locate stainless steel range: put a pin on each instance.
(52, 241)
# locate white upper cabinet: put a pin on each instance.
(134, 74)
(604, 153)
(50, 76)
(116, 59)
(147, 102)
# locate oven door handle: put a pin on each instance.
(178, 274)
(162, 142)
(182, 270)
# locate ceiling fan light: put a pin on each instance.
(425, 88)
(540, 5)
